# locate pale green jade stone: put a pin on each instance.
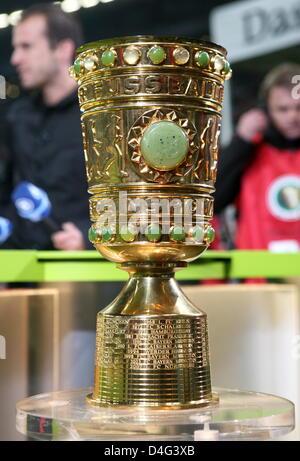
(210, 234)
(77, 66)
(156, 54)
(164, 145)
(93, 234)
(198, 234)
(153, 232)
(178, 233)
(128, 233)
(108, 58)
(203, 59)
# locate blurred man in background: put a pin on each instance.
(44, 147)
(260, 169)
(44, 141)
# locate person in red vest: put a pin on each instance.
(259, 170)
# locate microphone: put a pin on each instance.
(33, 203)
(6, 228)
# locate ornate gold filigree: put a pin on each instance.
(206, 168)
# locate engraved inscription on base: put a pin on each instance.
(152, 343)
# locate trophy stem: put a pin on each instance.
(152, 345)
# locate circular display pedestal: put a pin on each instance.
(239, 415)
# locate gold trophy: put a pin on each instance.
(151, 123)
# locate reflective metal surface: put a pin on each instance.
(151, 123)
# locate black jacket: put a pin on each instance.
(43, 145)
(234, 160)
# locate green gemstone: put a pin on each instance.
(210, 234)
(203, 59)
(77, 66)
(227, 67)
(178, 233)
(128, 233)
(106, 234)
(93, 234)
(156, 54)
(198, 234)
(164, 145)
(153, 232)
(108, 58)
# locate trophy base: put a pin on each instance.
(171, 406)
(240, 415)
(152, 346)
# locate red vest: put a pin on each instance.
(269, 201)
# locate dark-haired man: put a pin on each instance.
(260, 168)
(44, 147)
(44, 144)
